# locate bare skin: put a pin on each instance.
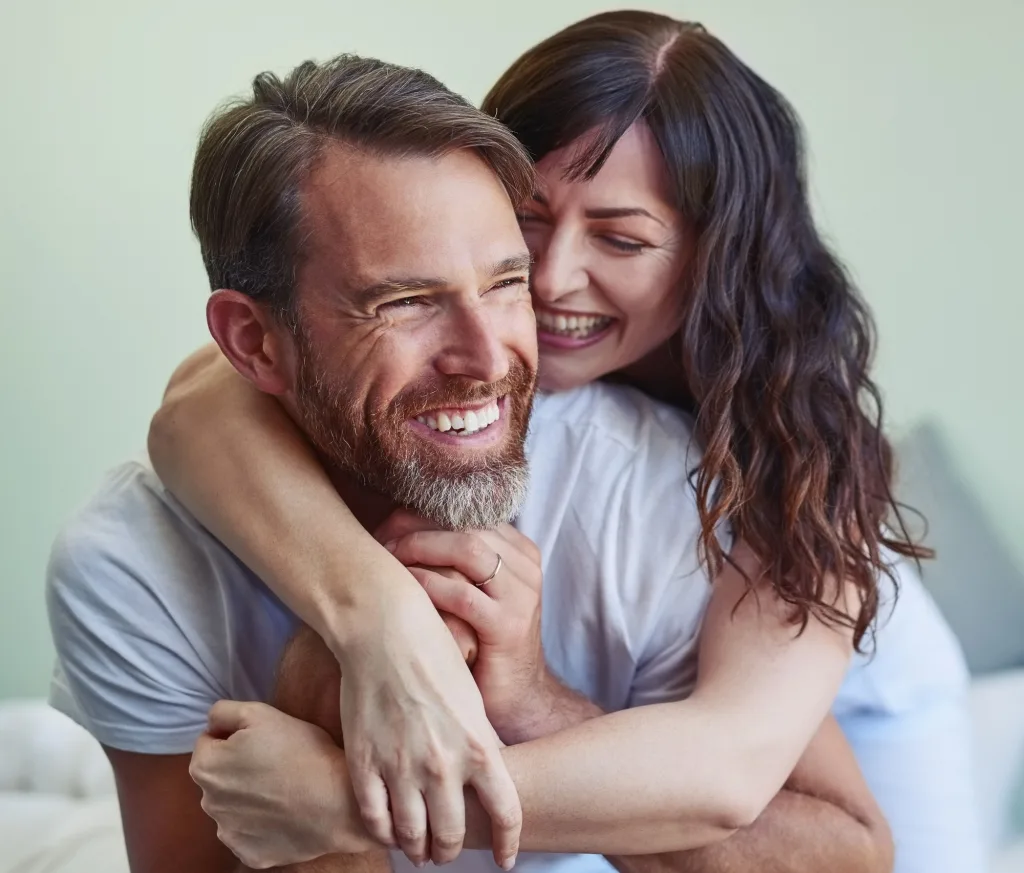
(851, 833)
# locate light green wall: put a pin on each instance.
(916, 120)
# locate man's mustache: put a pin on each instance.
(459, 392)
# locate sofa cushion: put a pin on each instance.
(974, 578)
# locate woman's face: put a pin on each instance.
(609, 256)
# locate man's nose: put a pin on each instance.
(559, 267)
(474, 348)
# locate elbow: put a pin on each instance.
(880, 847)
(740, 811)
(744, 796)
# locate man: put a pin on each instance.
(357, 219)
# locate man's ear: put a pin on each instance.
(256, 344)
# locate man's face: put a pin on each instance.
(416, 349)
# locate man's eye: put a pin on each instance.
(402, 302)
(517, 282)
(526, 217)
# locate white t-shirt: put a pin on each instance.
(154, 620)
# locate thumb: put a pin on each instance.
(227, 717)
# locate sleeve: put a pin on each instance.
(667, 670)
(127, 668)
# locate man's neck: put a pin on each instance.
(370, 508)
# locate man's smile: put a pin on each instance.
(477, 425)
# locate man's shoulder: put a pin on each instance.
(152, 618)
(132, 522)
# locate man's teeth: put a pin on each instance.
(576, 326)
(460, 422)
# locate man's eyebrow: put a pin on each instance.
(394, 287)
(520, 263)
(414, 284)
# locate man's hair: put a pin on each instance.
(255, 155)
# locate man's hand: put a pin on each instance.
(503, 608)
(277, 787)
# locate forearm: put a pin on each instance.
(368, 862)
(303, 541)
(580, 788)
(797, 833)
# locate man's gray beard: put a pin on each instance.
(478, 499)
(452, 498)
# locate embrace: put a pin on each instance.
(532, 505)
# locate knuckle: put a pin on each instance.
(475, 547)
(466, 601)
(376, 818)
(509, 819)
(379, 827)
(449, 841)
(478, 756)
(436, 766)
(410, 833)
(532, 552)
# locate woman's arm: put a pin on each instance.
(672, 776)
(761, 692)
(662, 778)
(410, 708)
(235, 458)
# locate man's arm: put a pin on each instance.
(824, 819)
(165, 828)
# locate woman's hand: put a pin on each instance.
(510, 669)
(416, 732)
(415, 728)
(277, 787)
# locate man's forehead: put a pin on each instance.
(381, 218)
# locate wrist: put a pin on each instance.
(548, 708)
(351, 617)
(348, 834)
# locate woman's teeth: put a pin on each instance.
(462, 422)
(575, 326)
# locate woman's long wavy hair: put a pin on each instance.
(775, 342)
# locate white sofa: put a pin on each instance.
(58, 811)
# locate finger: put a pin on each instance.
(228, 716)
(516, 557)
(518, 540)
(465, 638)
(372, 798)
(200, 755)
(409, 812)
(498, 796)
(461, 599)
(446, 812)
(466, 552)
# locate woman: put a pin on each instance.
(674, 250)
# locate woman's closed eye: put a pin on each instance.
(627, 246)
